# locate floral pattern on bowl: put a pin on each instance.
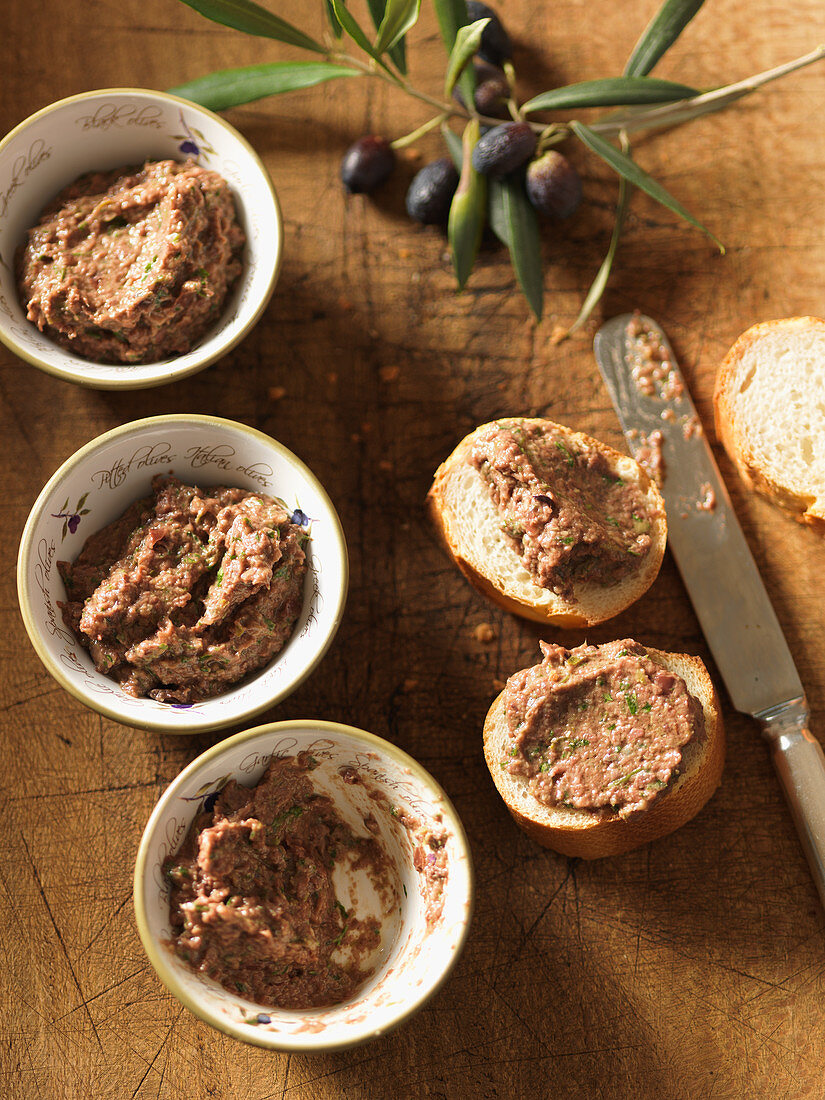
(193, 143)
(71, 518)
(104, 478)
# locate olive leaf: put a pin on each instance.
(610, 92)
(631, 171)
(244, 15)
(514, 222)
(468, 209)
(452, 16)
(353, 29)
(398, 52)
(454, 147)
(332, 18)
(660, 34)
(467, 42)
(231, 87)
(603, 274)
(399, 16)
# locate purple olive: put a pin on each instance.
(504, 149)
(431, 192)
(496, 46)
(492, 90)
(366, 164)
(554, 187)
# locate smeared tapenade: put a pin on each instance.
(569, 515)
(599, 728)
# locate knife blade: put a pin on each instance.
(659, 420)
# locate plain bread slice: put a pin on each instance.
(770, 412)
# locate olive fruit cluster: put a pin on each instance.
(512, 148)
(553, 185)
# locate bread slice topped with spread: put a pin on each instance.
(770, 413)
(549, 523)
(600, 749)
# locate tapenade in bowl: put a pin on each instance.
(303, 886)
(140, 238)
(182, 573)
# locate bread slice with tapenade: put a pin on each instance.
(770, 414)
(538, 536)
(603, 830)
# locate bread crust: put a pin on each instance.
(591, 603)
(584, 833)
(733, 432)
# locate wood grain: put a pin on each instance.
(691, 968)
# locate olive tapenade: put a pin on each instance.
(253, 903)
(188, 591)
(134, 265)
(569, 515)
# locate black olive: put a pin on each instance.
(366, 164)
(496, 46)
(504, 149)
(431, 192)
(492, 90)
(554, 187)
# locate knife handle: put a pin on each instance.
(800, 764)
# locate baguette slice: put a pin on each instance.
(470, 527)
(770, 413)
(583, 833)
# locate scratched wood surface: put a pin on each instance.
(691, 968)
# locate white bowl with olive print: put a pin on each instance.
(113, 128)
(377, 790)
(99, 482)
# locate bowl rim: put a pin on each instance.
(209, 722)
(171, 374)
(156, 954)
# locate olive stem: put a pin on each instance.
(414, 135)
(448, 109)
(512, 104)
(551, 135)
(371, 69)
(630, 121)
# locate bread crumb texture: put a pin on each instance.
(770, 412)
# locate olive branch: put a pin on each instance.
(639, 102)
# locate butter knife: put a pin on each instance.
(728, 595)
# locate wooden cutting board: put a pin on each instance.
(692, 968)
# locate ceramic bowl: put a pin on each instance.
(416, 954)
(108, 129)
(98, 483)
